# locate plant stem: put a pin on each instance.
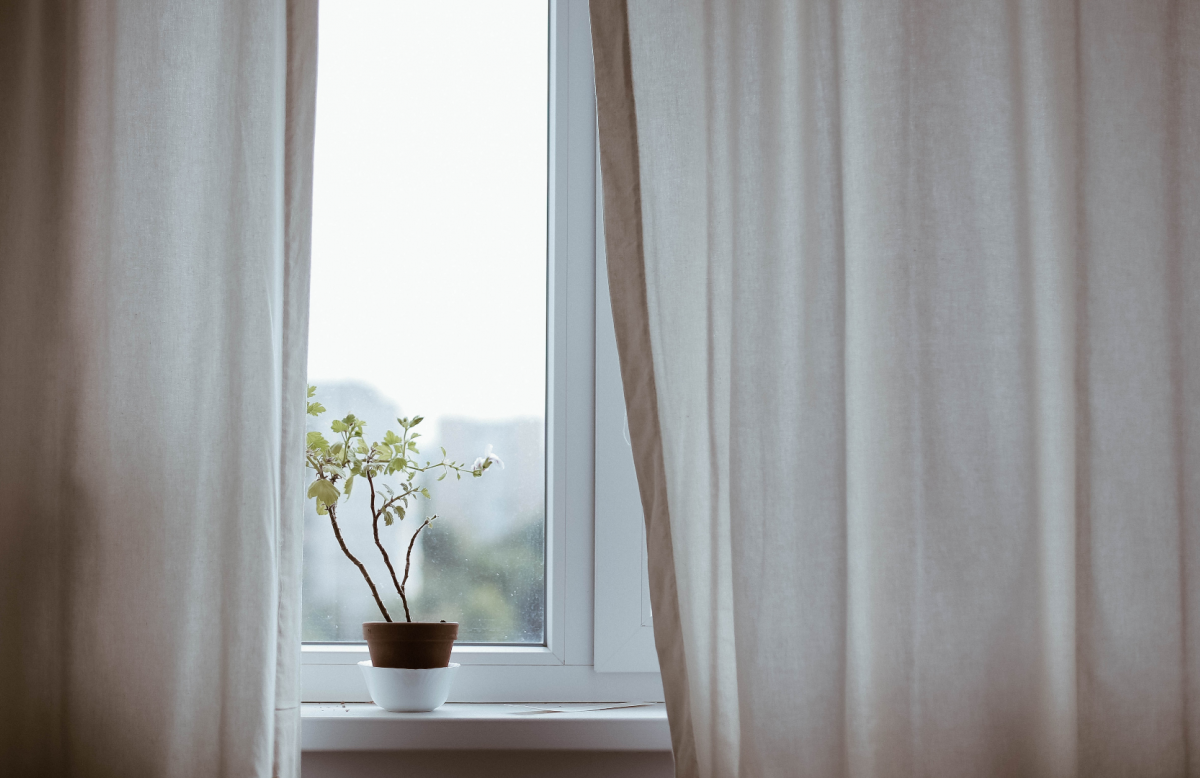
(361, 568)
(375, 528)
(408, 492)
(408, 565)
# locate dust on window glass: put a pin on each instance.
(429, 297)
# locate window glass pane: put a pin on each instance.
(429, 297)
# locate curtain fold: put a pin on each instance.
(155, 176)
(908, 307)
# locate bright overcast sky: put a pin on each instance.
(429, 211)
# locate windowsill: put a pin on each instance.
(475, 726)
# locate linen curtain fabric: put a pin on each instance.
(155, 186)
(907, 299)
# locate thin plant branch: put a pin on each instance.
(387, 560)
(361, 567)
(408, 564)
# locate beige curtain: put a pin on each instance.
(907, 298)
(154, 214)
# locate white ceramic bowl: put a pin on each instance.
(402, 689)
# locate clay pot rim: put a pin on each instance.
(410, 631)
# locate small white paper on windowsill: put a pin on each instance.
(575, 707)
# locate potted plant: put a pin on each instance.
(349, 458)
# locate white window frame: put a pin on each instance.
(563, 669)
(624, 624)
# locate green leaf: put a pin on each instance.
(339, 426)
(425, 492)
(417, 420)
(443, 451)
(346, 487)
(321, 509)
(392, 438)
(387, 518)
(350, 419)
(443, 475)
(311, 390)
(317, 440)
(315, 409)
(324, 491)
(384, 451)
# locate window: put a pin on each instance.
(455, 91)
(429, 297)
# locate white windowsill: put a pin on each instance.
(492, 726)
(489, 674)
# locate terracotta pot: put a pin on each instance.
(412, 644)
